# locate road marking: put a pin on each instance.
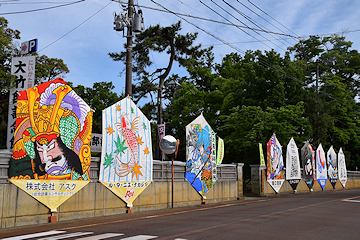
(69, 235)
(350, 199)
(34, 235)
(139, 237)
(102, 236)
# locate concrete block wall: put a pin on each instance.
(95, 200)
(260, 186)
(17, 208)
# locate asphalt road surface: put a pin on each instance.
(316, 215)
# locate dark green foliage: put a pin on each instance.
(99, 97)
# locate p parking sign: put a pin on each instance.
(29, 46)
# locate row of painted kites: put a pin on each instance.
(51, 155)
(317, 166)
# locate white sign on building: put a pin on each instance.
(96, 141)
(24, 70)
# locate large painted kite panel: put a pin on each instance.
(126, 160)
(308, 164)
(200, 155)
(275, 164)
(321, 168)
(332, 166)
(342, 168)
(293, 173)
(52, 142)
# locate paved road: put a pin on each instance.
(317, 215)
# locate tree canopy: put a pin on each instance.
(309, 93)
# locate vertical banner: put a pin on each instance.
(342, 168)
(332, 166)
(126, 160)
(220, 151)
(52, 142)
(200, 156)
(308, 164)
(161, 134)
(293, 175)
(275, 164)
(321, 168)
(24, 70)
(262, 159)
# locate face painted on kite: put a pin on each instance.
(308, 167)
(274, 159)
(52, 158)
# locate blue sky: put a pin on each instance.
(82, 34)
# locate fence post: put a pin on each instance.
(240, 179)
(256, 179)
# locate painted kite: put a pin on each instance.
(200, 155)
(51, 155)
(275, 164)
(308, 164)
(126, 161)
(52, 136)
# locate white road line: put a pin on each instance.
(180, 239)
(101, 236)
(34, 235)
(351, 201)
(69, 235)
(139, 237)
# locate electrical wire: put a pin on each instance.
(75, 27)
(262, 18)
(272, 18)
(41, 9)
(221, 40)
(250, 20)
(206, 19)
(240, 22)
(13, 2)
(260, 60)
(203, 23)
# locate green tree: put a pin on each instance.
(99, 97)
(158, 40)
(8, 49)
(48, 68)
(333, 87)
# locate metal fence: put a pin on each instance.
(161, 169)
(353, 174)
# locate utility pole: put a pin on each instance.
(128, 85)
(134, 23)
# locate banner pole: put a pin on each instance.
(172, 181)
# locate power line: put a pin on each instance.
(75, 27)
(254, 41)
(240, 22)
(260, 60)
(41, 9)
(250, 19)
(210, 20)
(237, 49)
(16, 2)
(262, 18)
(202, 14)
(271, 17)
